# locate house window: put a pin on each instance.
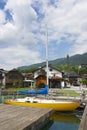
(50, 69)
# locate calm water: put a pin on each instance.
(64, 121)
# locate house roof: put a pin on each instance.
(55, 77)
(39, 68)
(70, 74)
(3, 71)
(14, 71)
(73, 74)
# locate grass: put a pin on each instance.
(16, 89)
(71, 93)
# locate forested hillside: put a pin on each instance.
(73, 60)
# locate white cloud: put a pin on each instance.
(18, 56)
(16, 34)
(2, 17)
(81, 44)
(68, 17)
(22, 28)
(22, 12)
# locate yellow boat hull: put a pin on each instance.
(60, 106)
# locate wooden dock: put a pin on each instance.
(22, 118)
(83, 124)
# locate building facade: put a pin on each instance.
(55, 77)
(14, 78)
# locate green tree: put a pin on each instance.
(84, 82)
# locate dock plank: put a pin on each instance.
(22, 118)
(83, 124)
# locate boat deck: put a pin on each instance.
(22, 118)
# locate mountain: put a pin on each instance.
(77, 59)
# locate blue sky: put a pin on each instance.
(23, 30)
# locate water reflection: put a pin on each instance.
(65, 117)
(64, 121)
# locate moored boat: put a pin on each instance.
(44, 103)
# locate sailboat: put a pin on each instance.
(43, 103)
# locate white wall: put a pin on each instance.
(51, 73)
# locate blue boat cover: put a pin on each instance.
(41, 91)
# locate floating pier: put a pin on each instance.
(83, 124)
(23, 118)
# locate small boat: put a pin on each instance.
(44, 103)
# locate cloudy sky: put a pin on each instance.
(23, 30)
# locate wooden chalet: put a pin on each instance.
(72, 78)
(14, 78)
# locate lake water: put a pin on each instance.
(64, 121)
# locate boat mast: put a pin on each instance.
(47, 55)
